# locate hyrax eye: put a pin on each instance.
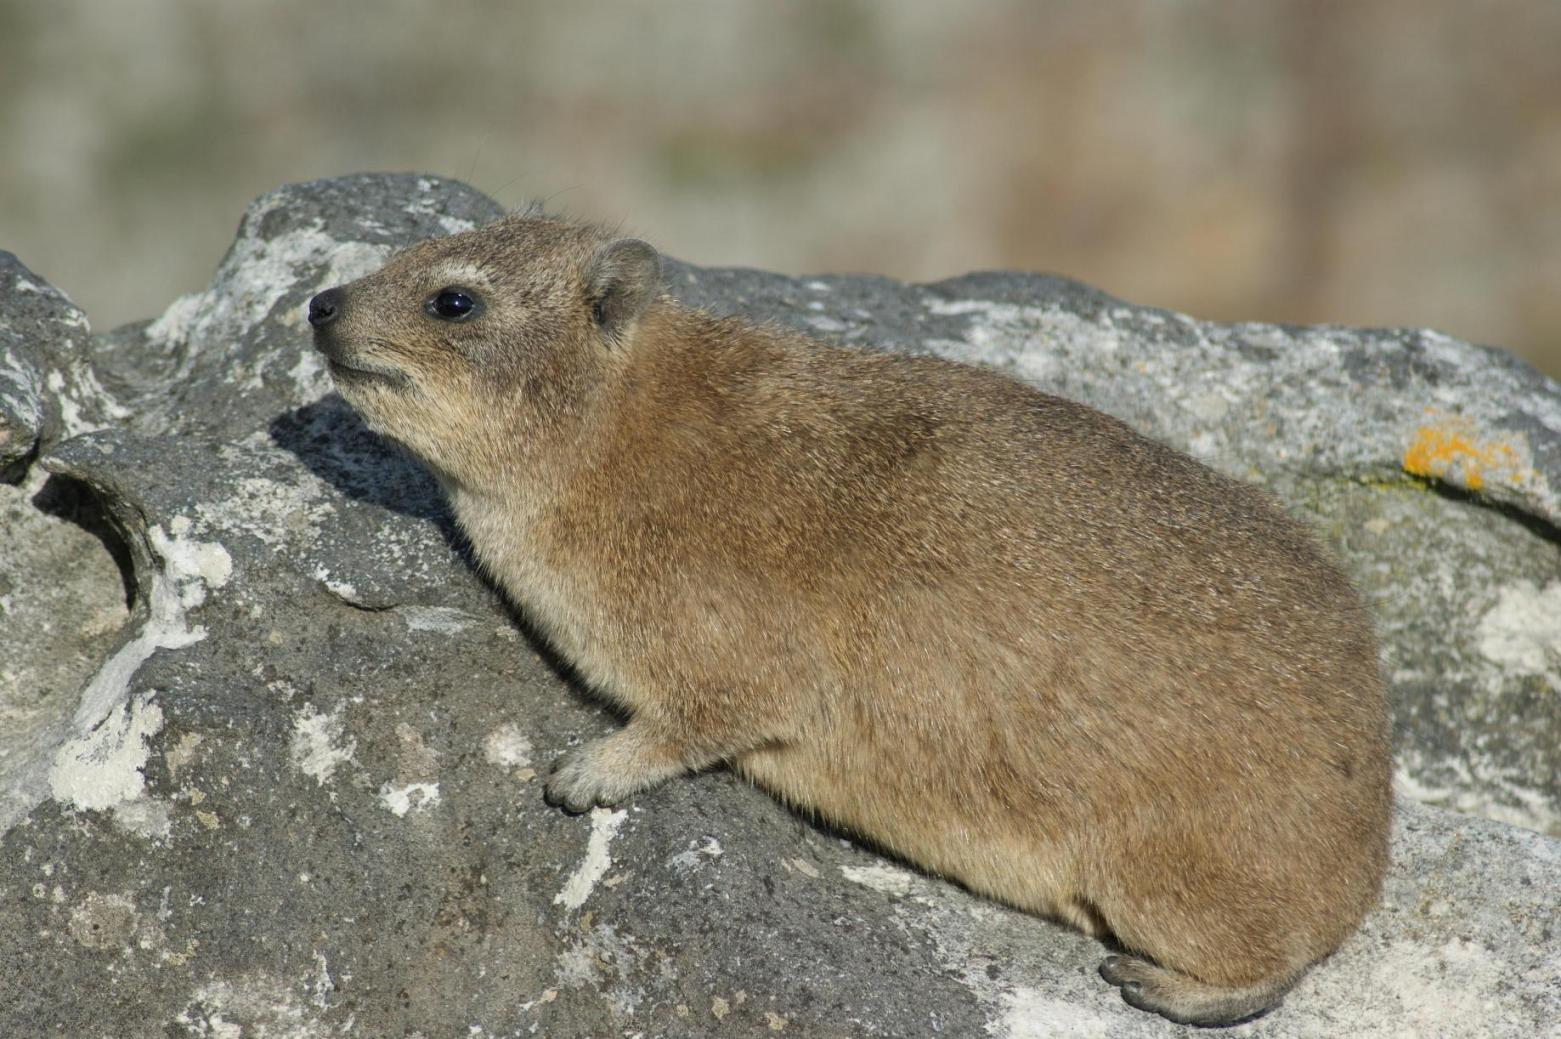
(452, 304)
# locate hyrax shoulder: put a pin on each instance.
(997, 632)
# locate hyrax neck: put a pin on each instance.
(528, 453)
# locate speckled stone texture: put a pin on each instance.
(297, 795)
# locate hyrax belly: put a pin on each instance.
(943, 827)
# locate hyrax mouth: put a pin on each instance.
(347, 368)
(358, 372)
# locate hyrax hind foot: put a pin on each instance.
(610, 770)
(1186, 1000)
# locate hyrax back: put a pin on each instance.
(997, 632)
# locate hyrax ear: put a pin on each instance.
(621, 280)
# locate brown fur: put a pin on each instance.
(997, 632)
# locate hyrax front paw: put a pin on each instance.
(609, 770)
(578, 783)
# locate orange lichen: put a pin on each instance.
(1449, 448)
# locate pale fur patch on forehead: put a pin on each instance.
(460, 272)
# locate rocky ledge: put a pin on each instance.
(269, 748)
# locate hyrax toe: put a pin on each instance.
(1124, 971)
(1186, 1000)
(575, 786)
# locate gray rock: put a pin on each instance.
(63, 604)
(47, 387)
(298, 796)
(230, 357)
(62, 597)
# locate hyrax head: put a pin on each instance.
(458, 345)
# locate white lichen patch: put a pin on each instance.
(399, 799)
(957, 307)
(1521, 633)
(145, 816)
(891, 880)
(1486, 792)
(445, 620)
(351, 261)
(595, 959)
(1005, 334)
(1030, 1014)
(178, 321)
(1412, 988)
(102, 769)
(254, 1005)
(344, 590)
(310, 376)
(192, 566)
(273, 511)
(1210, 407)
(318, 745)
(802, 866)
(70, 411)
(84, 405)
(254, 274)
(429, 206)
(416, 785)
(696, 855)
(604, 826)
(292, 511)
(507, 747)
(17, 390)
(322, 987)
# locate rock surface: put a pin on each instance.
(48, 389)
(296, 795)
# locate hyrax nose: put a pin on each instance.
(325, 308)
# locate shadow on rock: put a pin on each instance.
(337, 446)
(334, 443)
(78, 504)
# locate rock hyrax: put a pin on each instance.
(998, 633)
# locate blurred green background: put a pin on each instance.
(1367, 162)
